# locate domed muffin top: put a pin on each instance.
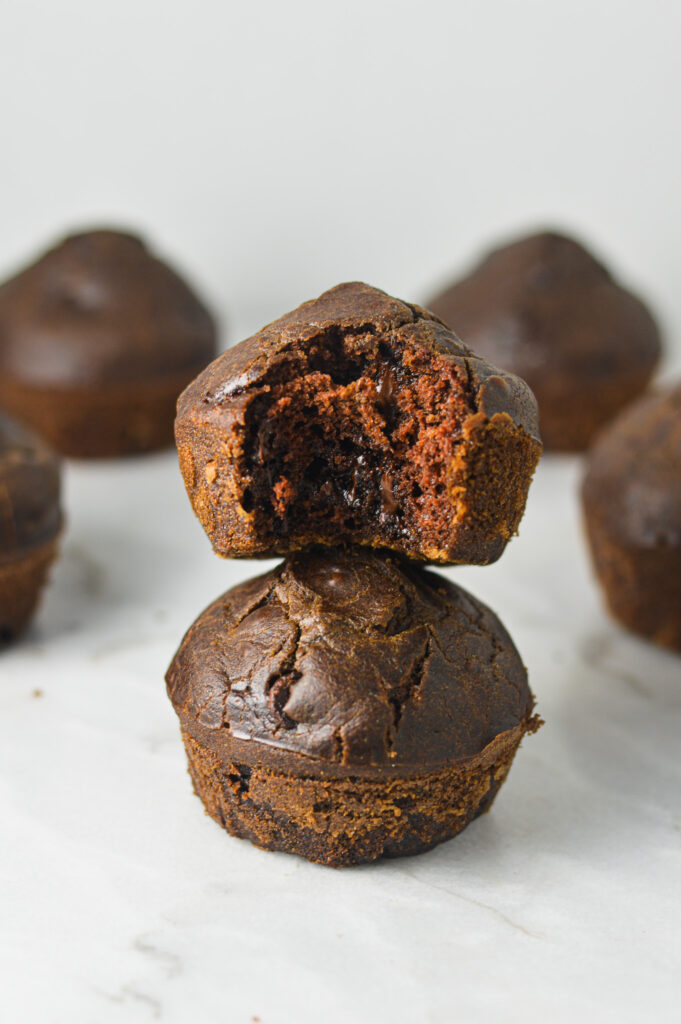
(353, 658)
(100, 308)
(545, 302)
(29, 491)
(633, 477)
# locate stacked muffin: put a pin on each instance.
(351, 704)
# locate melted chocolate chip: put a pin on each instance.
(387, 496)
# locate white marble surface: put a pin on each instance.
(122, 902)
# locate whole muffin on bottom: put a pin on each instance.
(347, 706)
(97, 340)
(632, 507)
(545, 309)
(30, 522)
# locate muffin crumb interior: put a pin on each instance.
(355, 431)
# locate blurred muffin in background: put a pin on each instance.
(97, 340)
(545, 309)
(632, 507)
(30, 523)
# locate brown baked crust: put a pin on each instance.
(30, 523)
(420, 447)
(344, 674)
(642, 588)
(99, 315)
(30, 512)
(632, 507)
(100, 422)
(21, 583)
(545, 309)
(353, 820)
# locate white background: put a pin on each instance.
(277, 148)
(273, 150)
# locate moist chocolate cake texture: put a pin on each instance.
(97, 340)
(632, 506)
(358, 418)
(30, 522)
(347, 706)
(544, 308)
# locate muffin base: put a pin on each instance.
(100, 421)
(642, 586)
(338, 821)
(21, 582)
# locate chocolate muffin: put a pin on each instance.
(632, 506)
(357, 418)
(346, 706)
(30, 522)
(97, 340)
(545, 309)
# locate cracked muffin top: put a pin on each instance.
(351, 658)
(30, 513)
(357, 418)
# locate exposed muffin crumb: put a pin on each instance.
(357, 418)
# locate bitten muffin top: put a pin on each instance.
(30, 514)
(357, 418)
(101, 309)
(633, 477)
(358, 309)
(354, 659)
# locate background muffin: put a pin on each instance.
(30, 522)
(97, 339)
(545, 309)
(632, 508)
